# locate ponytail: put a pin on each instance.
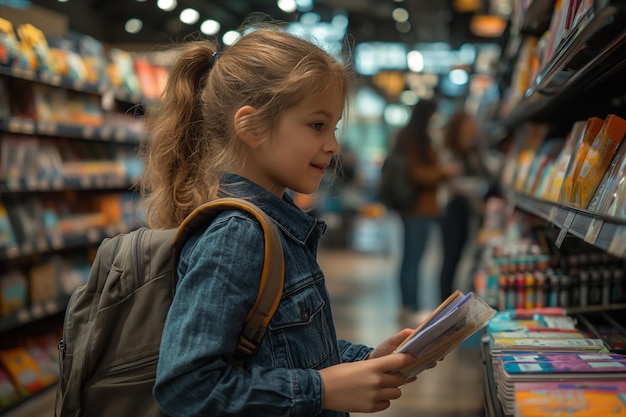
(174, 153)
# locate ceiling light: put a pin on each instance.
(400, 14)
(189, 16)
(210, 27)
(487, 26)
(403, 27)
(167, 5)
(458, 76)
(62, 1)
(287, 6)
(133, 25)
(415, 61)
(230, 37)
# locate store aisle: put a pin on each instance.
(364, 296)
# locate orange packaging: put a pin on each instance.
(572, 142)
(598, 159)
(569, 402)
(592, 128)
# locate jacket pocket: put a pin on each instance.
(299, 333)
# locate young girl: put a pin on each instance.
(253, 121)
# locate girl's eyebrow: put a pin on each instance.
(324, 113)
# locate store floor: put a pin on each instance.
(365, 301)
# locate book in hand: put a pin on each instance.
(457, 318)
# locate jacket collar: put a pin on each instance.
(296, 223)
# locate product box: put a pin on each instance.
(563, 161)
(592, 128)
(598, 158)
(22, 370)
(13, 292)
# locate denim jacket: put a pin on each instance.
(218, 280)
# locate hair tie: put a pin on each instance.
(213, 58)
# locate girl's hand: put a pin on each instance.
(390, 344)
(364, 386)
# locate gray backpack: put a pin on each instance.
(113, 324)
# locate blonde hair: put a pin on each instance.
(192, 141)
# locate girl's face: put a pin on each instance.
(299, 149)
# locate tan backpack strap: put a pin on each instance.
(272, 275)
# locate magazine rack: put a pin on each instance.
(584, 78)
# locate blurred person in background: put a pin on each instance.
(428, 173)
(463, 194)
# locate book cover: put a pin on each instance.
(575, 366)
(564, 159)
(7, 235)
(561, 357)
(454, 320)
(607, 189)
(590, 345)
(22, 370)
(591, 130)
(598, 158)
(575, 399)
(522, 334)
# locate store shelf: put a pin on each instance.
(604, 232)
(33, 313)
(68, 84)
(107, 133)
(491, 403)
(587, 62)
(86, 182)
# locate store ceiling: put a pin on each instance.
(369, 20)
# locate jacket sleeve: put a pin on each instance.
(218, 284)
(351, 352)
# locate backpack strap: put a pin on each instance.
(272, 275)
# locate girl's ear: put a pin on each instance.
(243, 126)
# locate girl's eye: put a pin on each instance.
(317, 126)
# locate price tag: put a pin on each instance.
(23, 316)
(569, 220)
(618, 243)
(51, 306)
(37, 311)
(561, 237)
(28, 127)
(32, 183)
(593, 231)
(552, 215)
(88, 132)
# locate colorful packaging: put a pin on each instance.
(598, 159)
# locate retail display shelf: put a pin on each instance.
(86, 182)
(68, 84)
(591, 53)
(32, 313)
(55, 243)
(604, 232)
(491, 403)
(100, 133)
